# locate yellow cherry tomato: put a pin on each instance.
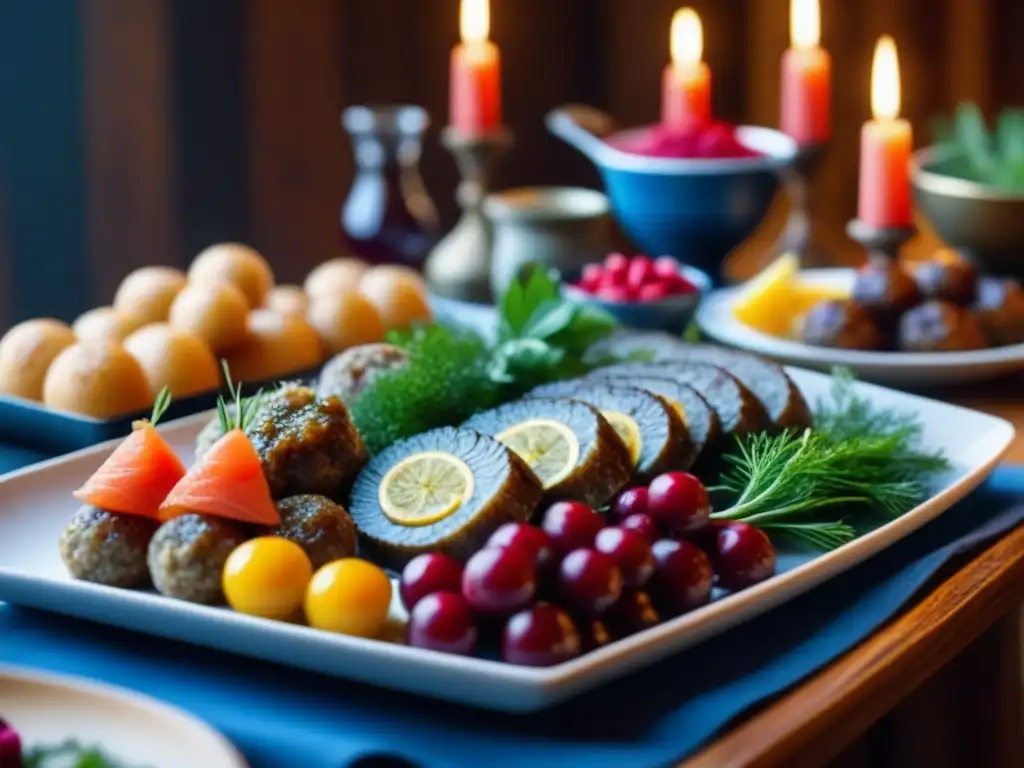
(267, 577)
(350, 596)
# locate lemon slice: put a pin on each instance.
(549, 447)
(424, 488)
(628, 430)
(762, 303)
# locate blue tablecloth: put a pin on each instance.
(282, 718)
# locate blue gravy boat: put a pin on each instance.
(695, 210)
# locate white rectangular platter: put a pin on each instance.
(35, 504)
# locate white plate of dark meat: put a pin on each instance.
(36, 504)
(48, 713)
(897, 368)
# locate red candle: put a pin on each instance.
(806, 77)
(475, 87)
(885, 144)
(686, 82)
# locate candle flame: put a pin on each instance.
(687, 38)
(475, 21)
(885, 80)
(804, 23)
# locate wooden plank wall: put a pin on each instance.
(154, 127)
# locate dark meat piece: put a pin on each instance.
(349, 373)
(318, 525)
(187, 556)
(307, 445)
(107, 547)
(288, 392)
(885, 289)
(938, 326)
(952, 280)
(841, 324)
(739, 411)
(1000, 310)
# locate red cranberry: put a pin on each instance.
(643, 524)
(591, 276)
(653, 292)
(529, 538)
(590, 582)
(615, 293)
(571, 525)
(640, 272)
(616, 265)
(682, 576)
(444, 622)
(499, 581)
(679, 501)
(634, 612)
(426, 574)
(666, 268)
(594, 634)
(630, 551)
(630, 502)
(743, 556)
(540, 637)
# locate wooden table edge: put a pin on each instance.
(817, 720)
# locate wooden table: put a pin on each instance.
(942, 685)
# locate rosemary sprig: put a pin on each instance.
(245, 408)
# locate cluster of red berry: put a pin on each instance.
(696, 141)
(575, 583)
(641, 278)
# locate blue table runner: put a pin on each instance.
(281, 717)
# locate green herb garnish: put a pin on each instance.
(974, 153)
(239, 414)
(858, 458)
(453, 373)
(160, 406)
(69, 754)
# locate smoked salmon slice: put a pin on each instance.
(227, 482)
(138, 475)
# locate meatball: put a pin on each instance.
(885, 289)
(187, 555)
(318, 525)
(938, 326)
(213, 431)
(107, 547)
(842, 324)
(307, 445)
(1000, 310)
(952, 280)
(348, 374)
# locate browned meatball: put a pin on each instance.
(349, 373)
(938, 326)
(842, 324)
(952, 280)
(1000, 310)
(107, 547)
(187, 555)
(885, 289)
(288, 392)
(318, 525)
(307, 445)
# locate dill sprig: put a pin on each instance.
(857, 458)
(240, 413)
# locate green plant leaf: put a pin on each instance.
(974, 139)
(550, 318)
(589, 325)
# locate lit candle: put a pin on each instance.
(686, 83)
(475, 85)
(885, 144)
(806, 76)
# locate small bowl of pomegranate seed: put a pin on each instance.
(640, 292)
